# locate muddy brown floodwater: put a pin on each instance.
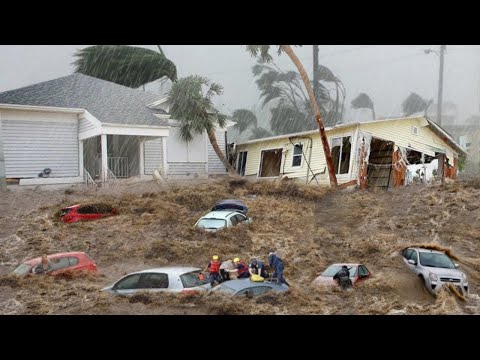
(310, 227)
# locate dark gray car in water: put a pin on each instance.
(248, 288)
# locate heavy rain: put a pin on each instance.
(163, 179)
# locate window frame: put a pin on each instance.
(297, 155)
(347, 174)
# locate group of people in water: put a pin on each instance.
(220, 271)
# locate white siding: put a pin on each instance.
(215, 166)
(153, 156)
(33, 145)
(186, 170)
(85, 125)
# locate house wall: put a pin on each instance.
(316, 159)
(34, 141)
(153, 156)
(215, 165)
(399, 132)
(187, 159)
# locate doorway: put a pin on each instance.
(380, 163)
(270, 163)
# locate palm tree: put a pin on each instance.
(363, 101)
(263, 52)
(190, 101)
(125, 65)
(414, 103)
(244, 119)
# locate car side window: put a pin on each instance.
(259, 290)
(130, 282)
(362, 270)
(414, 256)
(243, 292)
(234, 220)
(60, 263)
(240, 218)
(73, 261)
(407, 253)
(154, 281)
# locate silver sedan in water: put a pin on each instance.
(171, 279)
(435, 269)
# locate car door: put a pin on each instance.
(414, 256)
(233, 220)
(363, 273)
(154, 282)
(127, 285)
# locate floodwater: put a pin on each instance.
(309, 227)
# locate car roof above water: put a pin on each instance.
(222, 214)
(174, 270)
(241, 284)
(427, 250)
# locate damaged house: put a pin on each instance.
(381, 153)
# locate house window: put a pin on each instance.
(341, 148)
(468, 144)
(242, 163)
(297, 155)
(414, 130)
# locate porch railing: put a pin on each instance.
(87, 179)
(119, 166)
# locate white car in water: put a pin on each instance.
(435, 269)
(171, 279)
(217, 220)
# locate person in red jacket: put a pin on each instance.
(240, 268)
(214, 269)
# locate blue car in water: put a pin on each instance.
(249, 288)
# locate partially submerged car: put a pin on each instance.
(86, 212)
(57, 264)
(217, 220)
(170, 279)
(358, 273)
(248, 288)
(435, 268)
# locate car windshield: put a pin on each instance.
(65, 212)
(212, 223)
(224, 289)
(436, 260)
(192, 279)
(21, 269)
(333, 269)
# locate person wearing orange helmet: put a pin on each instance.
(213, 268)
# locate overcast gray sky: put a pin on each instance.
(386, 72)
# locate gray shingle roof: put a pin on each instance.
(107, 101)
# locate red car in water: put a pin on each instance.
(57, 264)
(358, 273)
(86, 212)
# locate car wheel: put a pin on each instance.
(424, 284)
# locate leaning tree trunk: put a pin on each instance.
(218, 151)
(318, 117)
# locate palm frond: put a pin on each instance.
(125, 65)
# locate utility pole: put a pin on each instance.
(440, 85)
(315, 71)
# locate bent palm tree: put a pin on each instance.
(414, 103)
(129, 66)
(244, 119)
(263, 52)
(193, 108)
(363, 101)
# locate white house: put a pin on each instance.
(80, 127)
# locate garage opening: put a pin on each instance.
(380, 163)
(270, 163)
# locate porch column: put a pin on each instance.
(80, 158)
(141, 157)
(104, 158)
